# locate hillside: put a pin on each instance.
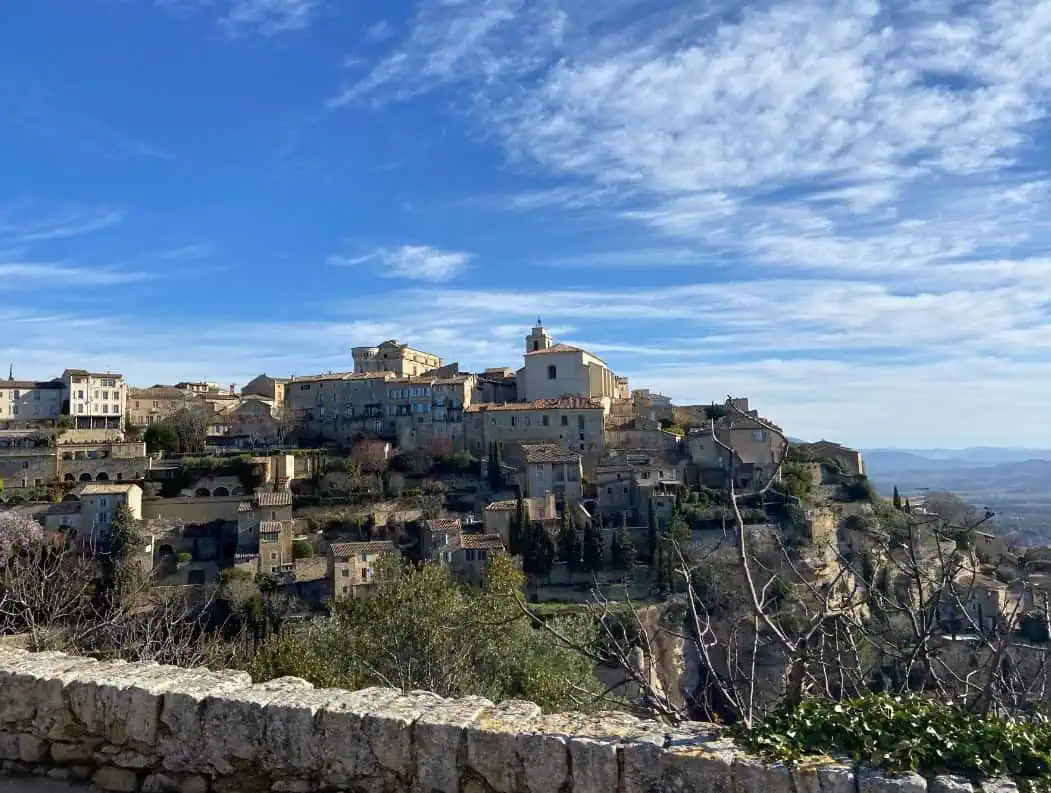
(1011, 482)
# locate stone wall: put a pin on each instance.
(132, 727)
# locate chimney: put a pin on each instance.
(552, 509)
(233, 388)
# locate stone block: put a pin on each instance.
(805, 778)
(118, 780)
(950, 784)
(58, 773)
(837, 778)
(753, 776)
(640, 761)
(999, 785)
(31, 749)
(388, 730)
(21, 674)
(182, 746)
(872, 781)
(64, 753)
(697, 770)
(292, 786)
(491, 739)
(9, 746)
(83, 692)
(194, 784)
(160, 783)
(341, 740)
(437, 737)
(292, 742)
(54, 717)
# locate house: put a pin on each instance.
(351, 566)
(552, 371)
(272, 388)
(149, 405)
(437, 536)
(543, 468)
(95, 400)
(25, 404)
(755, 450)
(27, 460)
(338, 406)
(499, 514)
(102, 461)
(428, 411)
(468, 557)
(89, 509)
(627, 481)
(850, 459)
(575, 423)
(392, 356)
(651, 405)
(978, 601)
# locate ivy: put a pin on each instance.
(906, 733)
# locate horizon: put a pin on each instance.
(837, 211)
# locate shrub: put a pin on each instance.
(909, 733)
(185, 557)
(859, 489)
(301, 549)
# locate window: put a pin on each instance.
(305, 387)
(545, 420)
(580, 422)
(103, 517)
(25, 465)
(552, 372)
(96, 393)
(102, 502)
(14, 410)
(536, 346)
(345, 589)
(581, 436)
(17, 393)
(565, 421)
(346, 574)
(273, 556)
(560, 474)
(364, 557)
(109, 382)
(514, 421)
(105, 394)
(36, 396)
(609, 491)
(365, 573)
(759, 436)
(105, 408)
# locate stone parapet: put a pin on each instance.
(131, 727)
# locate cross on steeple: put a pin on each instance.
(11, 373)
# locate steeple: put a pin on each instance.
(538, 339)
(11, 373)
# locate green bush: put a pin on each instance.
(301, 549)
(909, 733)
(184, 558)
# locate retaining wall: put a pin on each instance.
(132, 727)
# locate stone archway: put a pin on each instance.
(70, 478)
(101, 476)
(85, 477)
(203, 492)
(220, 491)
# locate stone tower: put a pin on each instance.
(538, 339)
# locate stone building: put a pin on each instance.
(27, 460)
(272, 388)
(392, 356)
(627, 481)
(26, 404)
(149, 405)
(575, 423)
(499, 514)
(851, 459)
(755, 449)
(30, 460)
(338, 406)
(94, 400)
(543, 468)
(89, 510)
(351, 566)
(555, 370)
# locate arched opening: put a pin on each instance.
(203, 492)
(102, 476)
(70, 478)
(165, 550)
(220, 491)
(85, 477)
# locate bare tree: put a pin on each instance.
(774, 614)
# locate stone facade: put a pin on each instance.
(29, 403)
(131, 727)
(392, 356)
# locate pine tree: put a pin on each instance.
(653, 535)
(896, 500)
(594, 552)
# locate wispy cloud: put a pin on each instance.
(33, 275)
(253, 17)
(16, 230)
(418, 262)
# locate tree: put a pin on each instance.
(653, 534)
(593, 551)
(539, 552)
(161, 437)
(520, 526)
(623, 554)
(495, 472)
(896, 500)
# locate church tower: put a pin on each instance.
(538, 339)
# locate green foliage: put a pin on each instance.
(538, 551)
(594, 553)
(161, 437)
(420, 630)
(859, 488)
(184, 557)
(123, 538)
(302, 549)
(896, 500)
(250, 475)
(495, 469)
(622, 551)
(907, 733)
(652, 534)
(796, 480)
(416, 462)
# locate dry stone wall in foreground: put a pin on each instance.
(130, 727)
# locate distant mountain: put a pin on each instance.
(1015, 483)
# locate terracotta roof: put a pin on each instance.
(557, 348)
(445, 524)
(86, 373)
(244, 506)
(269, 498)
(348, 549)
(269, 526)
(548, 453)
(160, 392)
(314, 378)
(510, 504)
(104, 489)
(28, 384)
(562, 403)
(478, 541)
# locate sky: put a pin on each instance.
(837, 208)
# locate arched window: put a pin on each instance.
(536, 346)
(102, 476)
(552, 372)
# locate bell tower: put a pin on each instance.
(538, 339)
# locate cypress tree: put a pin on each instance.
(896, 500)
(653, 535)
(594, 552)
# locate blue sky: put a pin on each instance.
(836, 208)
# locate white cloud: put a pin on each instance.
(417, 262)
(253, 17)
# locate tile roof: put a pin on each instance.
(28, 384)
(445, 524)
(269, 526)
(510, 504)
(104, 489)
(347, 549)
(548, 453)
(270, 498)
(314, 378)
(479, 541)
(557, 348)
(562, 403)
(160, 392)
(244, 506)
